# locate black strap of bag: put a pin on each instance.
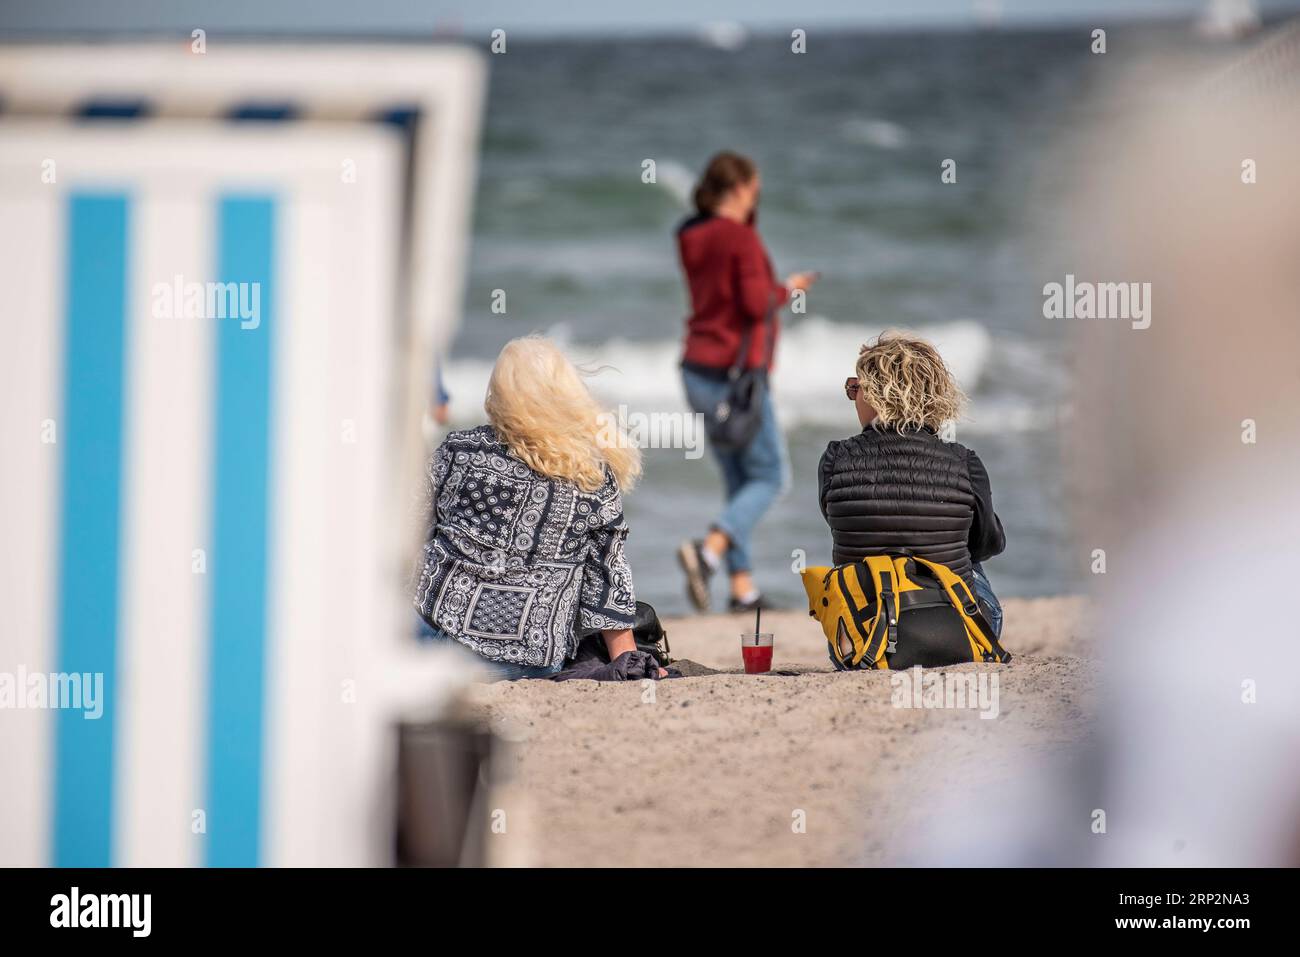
(738, 367)
(737, 418)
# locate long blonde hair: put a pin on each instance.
(541, 408)
(907, 382)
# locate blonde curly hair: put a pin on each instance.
(541, 408)
(907, 382)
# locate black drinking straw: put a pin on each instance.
(758, 618)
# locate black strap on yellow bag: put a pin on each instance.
(859, 605)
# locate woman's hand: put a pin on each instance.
(801, 280)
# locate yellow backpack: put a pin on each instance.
(859, 605)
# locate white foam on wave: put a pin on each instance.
(814, 357)
(676, 180)
(727, 35)
(880, 133)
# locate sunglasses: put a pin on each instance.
(851, 387)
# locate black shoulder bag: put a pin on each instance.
(736, 419)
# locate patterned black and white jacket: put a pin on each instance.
(515, 564)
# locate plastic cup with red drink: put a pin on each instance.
(756, 649)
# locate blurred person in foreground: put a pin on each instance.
(1182, 479)
(525, 530)
(1191, 445)
(732, 330)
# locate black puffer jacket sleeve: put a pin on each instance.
(986, 536)
(824, 475)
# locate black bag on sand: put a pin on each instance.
(735, 421)
(650, 635)
(591, 660)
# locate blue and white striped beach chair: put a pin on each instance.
(225, 275)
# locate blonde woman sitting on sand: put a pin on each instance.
(524, 545)
(897, 488)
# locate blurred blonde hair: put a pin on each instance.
(540, 407)
(908, 384)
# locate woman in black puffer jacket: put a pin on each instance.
(899, 488)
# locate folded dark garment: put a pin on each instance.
(591, 663)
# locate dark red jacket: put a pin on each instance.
(732, 287)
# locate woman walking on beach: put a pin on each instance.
(732, 328)
(524, 541)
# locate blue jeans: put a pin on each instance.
(497, 670)
(752, 477)
(992, 608)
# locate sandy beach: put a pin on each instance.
(778, 770)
